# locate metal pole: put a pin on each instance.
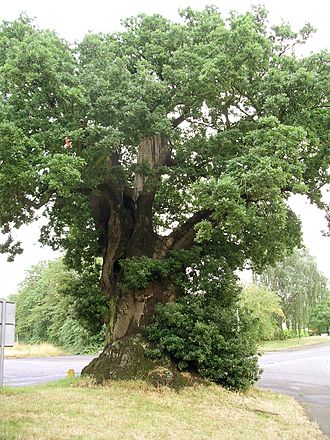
(3, 341)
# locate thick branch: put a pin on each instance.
(154, 152)
(176, 122)
(183, 236)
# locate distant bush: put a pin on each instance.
(47, 312)
(263, 307)
(320, 316)
(290, 333)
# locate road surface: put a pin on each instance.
(33, 371)
(303, 374)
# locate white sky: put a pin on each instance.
(71, 19)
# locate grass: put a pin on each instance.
(135, 411)
(36, 350)
(293, 343)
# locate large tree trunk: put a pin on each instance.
(124, 218)
(135, 309)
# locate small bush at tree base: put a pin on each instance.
(206, 338)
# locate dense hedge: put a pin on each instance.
(216, 342)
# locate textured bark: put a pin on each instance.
(154, 152)
(135, 310)
(123, 217)
(126, 359)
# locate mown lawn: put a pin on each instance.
(132, 410)
(293, 343)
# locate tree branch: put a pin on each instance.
(183, 236)
(176, 122)
(42, 201)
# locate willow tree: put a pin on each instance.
(299, 285)
(166, 149)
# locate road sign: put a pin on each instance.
(7, 314)
(10, 311)
(7, 330)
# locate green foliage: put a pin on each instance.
(256, 131)
(47, 313)
(320, 316)
(207, 338)
(263, 307)
(139, 271)
(256, 127)
(204, 231)
(89, 305)
(300, 287)
(289, 333)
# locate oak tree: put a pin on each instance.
(169, 149)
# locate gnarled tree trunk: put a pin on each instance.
(124, 217)
(127, 231)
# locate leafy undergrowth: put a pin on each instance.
(293, 343)
(135, 410)
(35, 350)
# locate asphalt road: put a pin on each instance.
(303, 374)
(33, 371)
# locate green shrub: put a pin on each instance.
(76, 339)
(290, 333)
(206, 338)
(320, 317)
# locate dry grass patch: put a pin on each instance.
(293, 343)
(134, 410)
(37, 350)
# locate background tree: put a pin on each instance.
(264, 309)
(320, 316)
(164, 147)
(47, 312)
(299, 284)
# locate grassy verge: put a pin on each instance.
(134, 410)
(36, 350)
(293, 343)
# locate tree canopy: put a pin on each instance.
(169, 149)
(264, 309)
(256, 128)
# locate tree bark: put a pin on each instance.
(135, 309)
(124, 218)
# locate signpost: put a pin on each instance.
(7, 331)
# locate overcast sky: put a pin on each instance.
(71, 19)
